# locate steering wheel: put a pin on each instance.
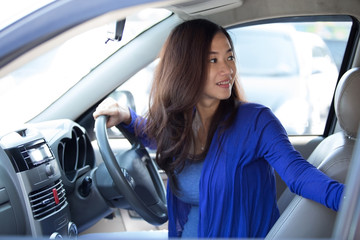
(134, 174)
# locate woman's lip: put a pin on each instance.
(224, 84)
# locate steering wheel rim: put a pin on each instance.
(155, 214)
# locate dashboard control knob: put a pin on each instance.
(49, 170)
(72, 230)
(55, 235)
(85, 186)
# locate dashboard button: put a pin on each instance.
(49, 169)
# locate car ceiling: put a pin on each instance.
(239, 11)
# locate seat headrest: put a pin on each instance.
(347, 100)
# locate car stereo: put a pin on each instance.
(29, 155)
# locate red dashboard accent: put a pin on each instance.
(55, 193)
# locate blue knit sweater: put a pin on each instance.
(237, 190)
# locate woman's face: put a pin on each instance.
(221, 69)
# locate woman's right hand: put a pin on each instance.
(117, 114)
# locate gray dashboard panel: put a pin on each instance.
(13, 219)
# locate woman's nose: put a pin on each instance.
(227, 69)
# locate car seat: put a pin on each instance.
(304, 218)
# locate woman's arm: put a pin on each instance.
(136, 126)
(301, 177)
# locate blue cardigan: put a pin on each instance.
(237, 184)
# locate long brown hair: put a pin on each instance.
(178, 83)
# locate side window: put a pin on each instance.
(290, 67)
(135, 92)
(139, 86)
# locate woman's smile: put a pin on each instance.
(224, 84)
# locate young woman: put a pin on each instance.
(218, 151)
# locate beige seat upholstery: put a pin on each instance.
(303, 218)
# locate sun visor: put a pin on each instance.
(205, 7)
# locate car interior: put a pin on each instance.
(65, 175)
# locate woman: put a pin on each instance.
(217, 150)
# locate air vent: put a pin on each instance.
(75, 153)
(47, 200)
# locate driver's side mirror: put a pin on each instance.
(125, 98)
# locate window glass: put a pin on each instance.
(13, 10)
(61, 68)
(256, 58)
(290, 67)
(140, 92)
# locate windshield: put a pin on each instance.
(13, 10)
(61, 68)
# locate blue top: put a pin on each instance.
(237, 192)
(188, 183)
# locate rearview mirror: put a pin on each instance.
(116, 32)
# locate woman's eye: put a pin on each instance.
(231, 58)
(213, 60)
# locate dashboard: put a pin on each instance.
(46, 172)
